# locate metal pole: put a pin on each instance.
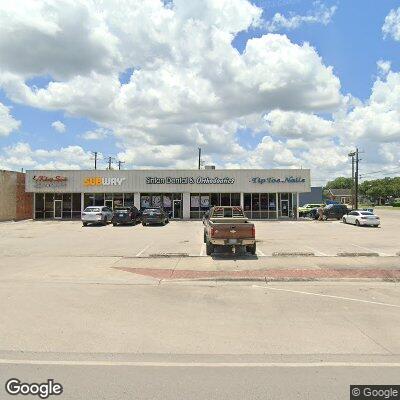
(95, 160)
(352, 180)
(109, 163)
(199, 157)
(356, 180)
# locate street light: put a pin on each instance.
(352, 155)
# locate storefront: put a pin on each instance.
(185, 194)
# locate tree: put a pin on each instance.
(340, 183)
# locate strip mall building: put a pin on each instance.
(185, 194)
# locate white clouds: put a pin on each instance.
(21, 155)
(96, 134)
(321, 15)
(59, 126)
(383, 67)
(391, 26)
(298, 125)
(7, 122)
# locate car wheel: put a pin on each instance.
(209, 248)
(104, 221)
(357, 222)
(344, 220)
(143, 223)
(114, 224)
(252, 249)
(84, 223)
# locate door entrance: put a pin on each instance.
(109, 204)
(57, 209)
(177, 209)
(285, 208)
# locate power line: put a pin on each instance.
(119, 164)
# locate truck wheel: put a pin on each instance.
(104, 221)
(209, 248)
(84, 223)
(252, 249)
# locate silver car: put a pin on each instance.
(361, 218)
(96, 215)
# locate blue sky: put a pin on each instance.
(351, 42)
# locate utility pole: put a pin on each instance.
(95, 159)
(352, 154)
(119, 164)
(356, 179)
(199, 157)
(109, 162)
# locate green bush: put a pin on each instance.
(396, 204)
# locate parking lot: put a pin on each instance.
(185, 238)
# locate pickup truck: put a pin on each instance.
(228, 226)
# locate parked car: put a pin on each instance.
(126, 215)
(335, 211)
(305, 210)
(154, 216)
(228, 226)
(96, 215)
(361, 217)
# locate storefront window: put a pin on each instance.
(76, 205)
(247, 204)
(129, 199)
(39, 205)
(49, 205)
(215, 199)
(66, 205)
(225, 199)
(194, 205)
(99, 199)
(235, 199)
(145, 201)
(118, 200)
(88, 200)
(156, 201)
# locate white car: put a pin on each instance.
(360, 218)
(96, 215)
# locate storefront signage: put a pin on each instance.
(42, 181)
(99, 181)
(288, 179)
(189, 180)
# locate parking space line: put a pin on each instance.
(320, 253)
(365, 248)
(143, 250)
(329, 296)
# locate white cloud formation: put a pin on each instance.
(391, 26)
(95, 134)
(383, 67)
(59, 126)
(291, 124)
(21, 155)
(320, 15)
(7, 122)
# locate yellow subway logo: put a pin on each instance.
(99, 181)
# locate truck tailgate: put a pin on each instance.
(232, 230)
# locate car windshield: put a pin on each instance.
(121, 210)
(366, 213)
(92, 209)
(151, 210)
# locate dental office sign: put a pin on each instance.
(288, 179)
(189, 180)
(100, 181)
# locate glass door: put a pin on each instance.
(57, 209)
(109, 204)
(285, 208)
(177, 209)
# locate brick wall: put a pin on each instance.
(15, 203)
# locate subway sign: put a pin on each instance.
(100, 181)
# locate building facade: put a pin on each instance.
(185, 194)
(15, 203)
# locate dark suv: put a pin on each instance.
(335, 211)
(126, 215)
